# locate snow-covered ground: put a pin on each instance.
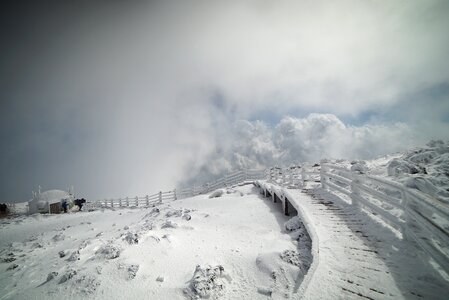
(231, 246)
(423, 168)
(354, 255)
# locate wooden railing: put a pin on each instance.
(419, 217)
(157, 198)
(145, 201)
(226, 181)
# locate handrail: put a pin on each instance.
(229, 179)
(418, 209)
(404, 209)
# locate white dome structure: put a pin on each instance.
(49, 201)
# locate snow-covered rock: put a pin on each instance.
(425, 169)
(131, 238)
(217, 193)
(108, 251)
(293, 224)
(206, 282)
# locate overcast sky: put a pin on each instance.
(129, 99)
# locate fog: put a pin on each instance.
(129, 99)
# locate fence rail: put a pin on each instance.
(157, 198)
(420, 218)
(417, 216)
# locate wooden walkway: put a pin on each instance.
(349, 261)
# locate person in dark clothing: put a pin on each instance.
(3, 209)
(64, 206)
(80, 202)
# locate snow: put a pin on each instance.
(234, 246)
(423, 168)
(233, 243)
(53, 196)
(355, 257)
(216, 194)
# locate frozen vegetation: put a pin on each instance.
(231, 245)
(425, 168)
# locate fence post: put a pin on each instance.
(127, 201)
(120, 202)
(112, 202)
(303, 175)
(355, 191)
(148, 200)
(137, 201)
(323, 178)
(405, 207)
(174, 194)
(160, 197)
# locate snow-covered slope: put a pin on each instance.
(233, 246)
(424, 168)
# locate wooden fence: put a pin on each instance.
(157, 198)
(419, 217)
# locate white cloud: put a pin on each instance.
(298, 140)
(153, 95)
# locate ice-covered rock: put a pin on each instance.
(86, 284)
(74, 256)
(51, 275)
(108, 251)
(12, 267)
(67, 275)
(399, 167)
(59, 237)
(131, 238)
(174, 213)
(291, 257)
(265, 291)
(206, 282)
(359, 166)
(425, 169)
(216, 194)
(8, 259)
(153, 213)
(293, 224)
(169, 224)
(132, 271)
